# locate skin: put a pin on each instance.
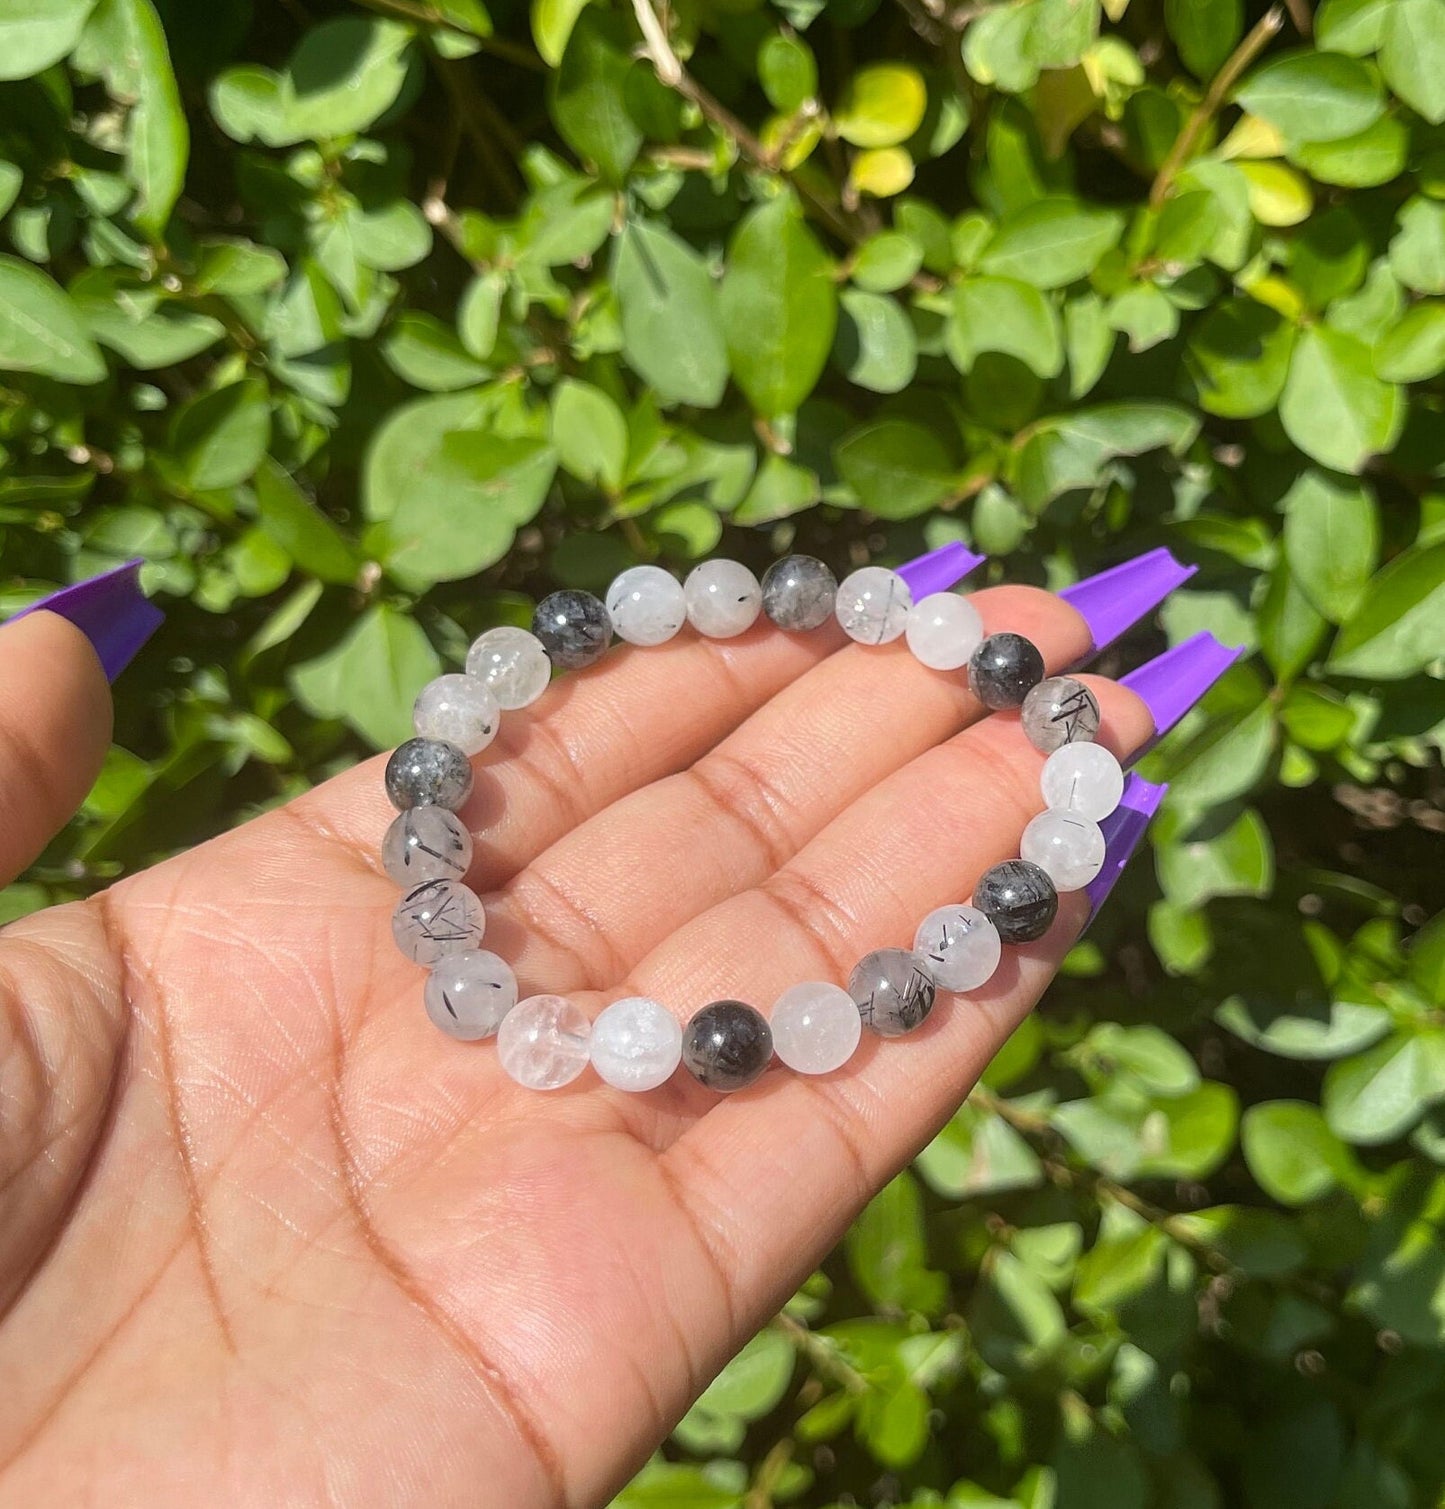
(268, 1237)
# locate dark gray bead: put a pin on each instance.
(799, 592)
(1004, 669)
(574, 628)
(1060, 711)
(1018, 898)
(428, 773)
(727, 1045)
(893, 989)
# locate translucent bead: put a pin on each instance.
(873, 605)
(574, 628)
(1082, 778)
(542, 1042)
(459, 709)
(816, 1027)
(636, 1044)
(727, 1045)
(435, 919)
(468, 994)
(723, 598)
(1004, 669)
(427, 843)
(943, 631)
(892, 989)
(428, 773)
(647, 605)
(1060, 711)
(1018, 898)
(513, 664)
(799, 592)
(960, 946)
(1068, 848)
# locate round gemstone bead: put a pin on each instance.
(1060, 711)
(437, 918)
(1004, 669)
(799, 592)
(723, 598)
(428, 773)
(647, 605)
(513, 664)
(636, 1044)
(873, 604)
(727, 1045)
(427, 843)
(468, 994)
(1018, 898)
(816, 1027)
(459, 709)
(1082, 778)
(943, 631)
(543, 1042)
(574, 628)
(892, 989)
(1068, 848)
(960, 946)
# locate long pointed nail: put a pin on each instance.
(1116, 599)
(1123, 829)
(940, 569)
(1173, 682)
(111, 611)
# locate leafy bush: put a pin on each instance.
(366, 325)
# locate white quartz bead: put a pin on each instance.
(636, 1042)
(960, 946)
(459, 709)
(943, 631)
(437, 918)
(1084, 779)
(647, 605)
(816, 1027)
(513, 664)
(468, 994)
(542, 1042)
(426, 843)
(1067, 847)
(723, 598)
(873, 605)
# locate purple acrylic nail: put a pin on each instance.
(1116, 599)
(110, 610)
(1173, 682)
(1122, 829)
(940, 569)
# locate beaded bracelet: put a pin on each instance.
(545, 1041)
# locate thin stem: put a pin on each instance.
(1299, 13)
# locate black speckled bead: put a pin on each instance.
(727, 1045)
(1005, 668)
(428, 773)
(799, 592)
(574, 627)
(1018, 898)
(893, 989)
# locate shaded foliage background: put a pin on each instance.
(365, 325)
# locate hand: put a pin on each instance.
(267, 1237)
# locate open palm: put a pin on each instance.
(268, 1237)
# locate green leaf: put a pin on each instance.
(978, 1153)
(1376, 155)
(344, 74)
(748, 1388)
(220, 437)
(300, 528)
(1413, 350)
(1379, 1095)
(1257, 1243)
(589, 434)
(1356, 27)
(1417, 253)
(875, 345)
(1001, 314)
(885, 262)
(883, 105)
(36, 33)
(1204, 31)
(552, 23)
(1313, 96)
(779, 307)
(1399, 627)
(1427, 959)
(1291, 629)
(1412, 55)
(780, 488)
(1332, 540)
(1294, 1156)
(1051, 242)
(897, 468)
(887, 1251)
(40, 330)
(425, 353)
(787, 71)
(1333, 406)
(589, 98)
(1069, 451)
(1238, 861)
(148, 334)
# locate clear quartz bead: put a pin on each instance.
(1067, 847)
(513, 664)
(1084, 779)
(873, 605)
(459, 709)
(943, 631)
(893, 990)
(543, 1042)
(435, 919)
(1060, 711)
(647, 605)
(468, 994)
(723, 598)
(816, 1027)
(960, 946)
(426, 843)
(636, 1044)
